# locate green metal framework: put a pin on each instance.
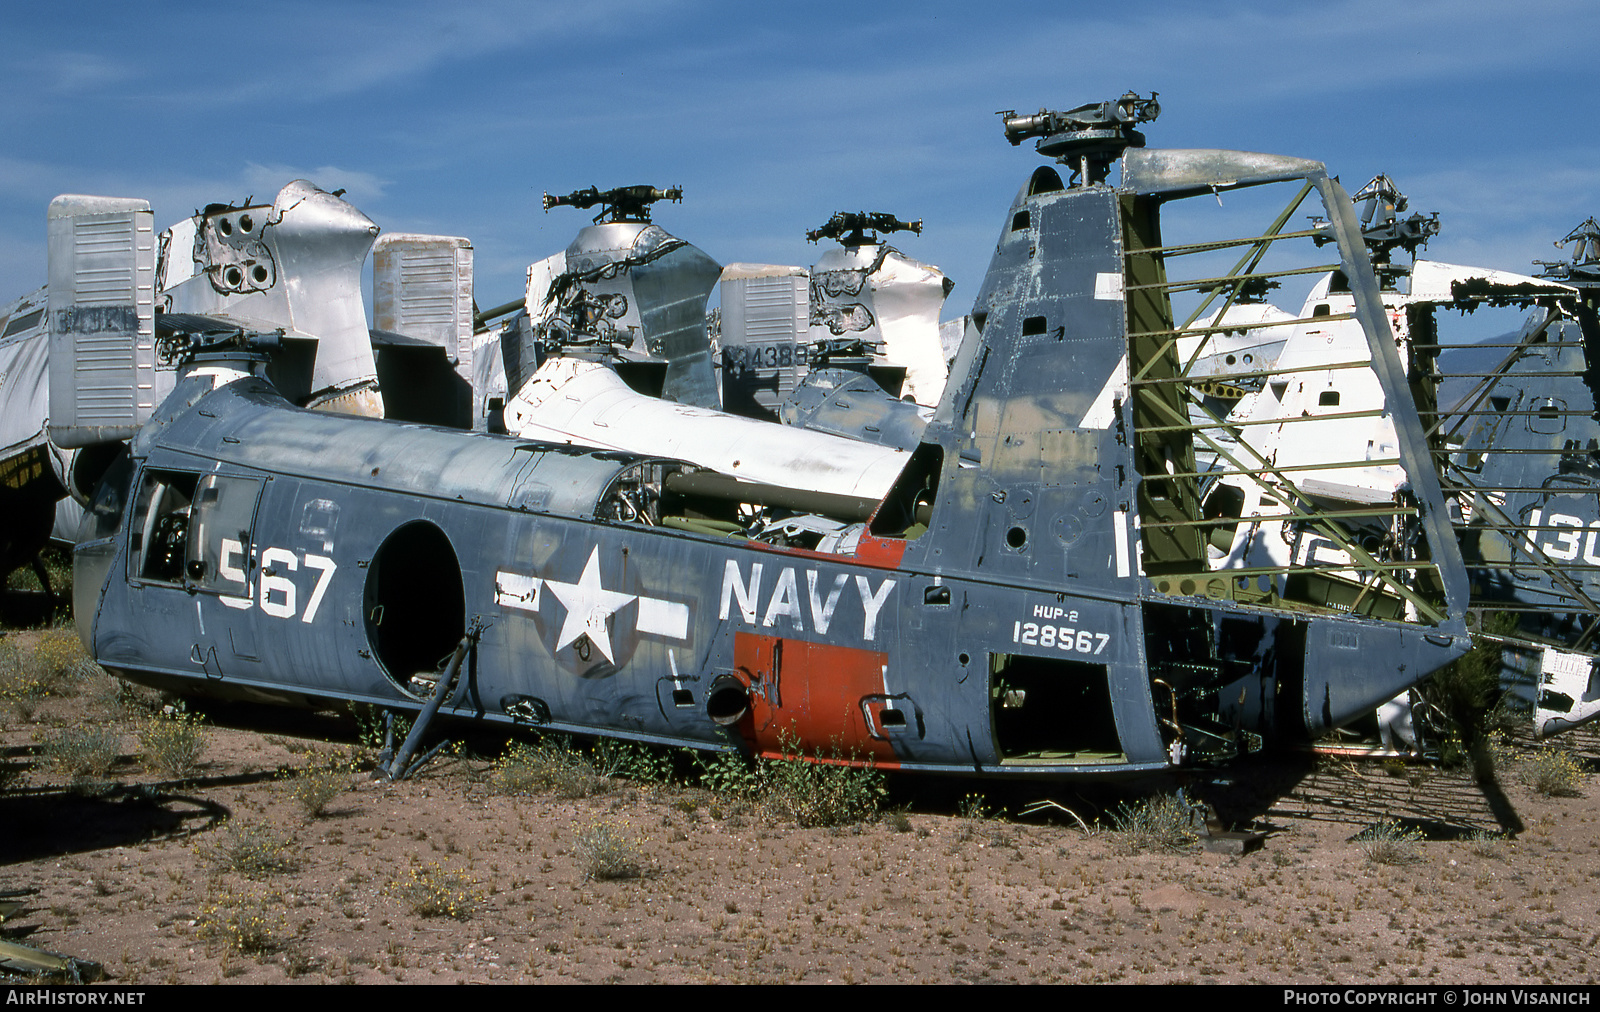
(1172, 421)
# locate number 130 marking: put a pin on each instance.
(1080, 641)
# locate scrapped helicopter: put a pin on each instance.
(864, 317)
(293, 265)
(1029, 598)
(1522, 456)
(44, 459)
(624, 290)
(587, 380)
(864, 306)
(34, 473)
(1316, 410)
(1490, 430)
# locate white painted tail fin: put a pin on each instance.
(1567, 692)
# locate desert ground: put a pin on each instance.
(252, 845)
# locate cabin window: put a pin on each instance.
(1033, 325)
(1321, 309)
(1225, 504)
(1044, 180)
(22, 323)
(907, 511)
(104, 515)
(1020, 221)
(193, 530)
(1328, 399)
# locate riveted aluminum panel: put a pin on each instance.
(422, 288)
(103, 382)
(765, 311)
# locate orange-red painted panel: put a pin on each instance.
(813, 692)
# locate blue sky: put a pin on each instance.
(455, 118)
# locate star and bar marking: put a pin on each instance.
(590, 606)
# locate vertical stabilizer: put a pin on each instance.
(765, 309)
(422, 288)
(103, 382)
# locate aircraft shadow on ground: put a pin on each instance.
(61, 821)
(1273, 791)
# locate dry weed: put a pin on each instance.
(247, 921)
(1159, 823)
(607, 850)
(550, 766)
(84, 753)
(431, 890)
(1486, 844)
(314, 787)
(1554, 772)
(251, 851)
(56, 665)
(1388, 842)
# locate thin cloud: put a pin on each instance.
(264, 181)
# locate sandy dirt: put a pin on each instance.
(133, 874)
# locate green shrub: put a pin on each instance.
(830, 789)
(1465, 691)
(812, 793)
(728, 773)
(631, 760)
(172, 742)
(370, 725)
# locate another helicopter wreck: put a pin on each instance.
(1029, 595)
(1507, 441)
(591, 361)
(291, 266)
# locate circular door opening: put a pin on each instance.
(415, 606)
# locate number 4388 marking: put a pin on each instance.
(277, 594)
(1079, 641)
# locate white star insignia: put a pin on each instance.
(588, 606)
